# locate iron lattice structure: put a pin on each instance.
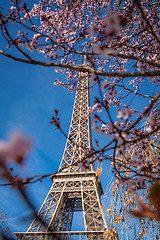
(72, 190)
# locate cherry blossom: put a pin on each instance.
(121, 150)
(17, 181)
(132, 185)
(112, 23)
(19, 147)
(99, 130)
(118, 137)
(15, 149)
(84, 165)
(105, 85)
(125, 114)
(148, 161)
(139, 164)
(92, 79)
(122, 114)
(4, 151)
(103, 50)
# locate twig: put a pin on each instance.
(80, 68)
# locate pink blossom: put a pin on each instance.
(130, 112)
(105, 85)
(125, 135)
(16, 149)
(136, 183)
(92, 78)
(148, 129)
(142, 145)
(84, 165)
(139, 165)
(157, 157)
(111, 93)
(121, 150)
(103, 50)
(60, 34)
(112, 23)
(92, 29)
(118, 137)
(99, 130)
(19, 147)
(47, 39)
(132, 185)
(151, 122)
(118, 124)
(141, 182)
(123, 114)
(110, 127)
(148, 161)
(4, 151)
(17, 181)
(12, 7)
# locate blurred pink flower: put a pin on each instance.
(122, 114)
(130, 111)
(4, 151)
(105, 85)
(103, 50)
(125, 114)
(19, 147)
(15, 149)
(17, 181)
(92, 79)
(84, 165)
(112, 23)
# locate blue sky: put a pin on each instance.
(28, 99)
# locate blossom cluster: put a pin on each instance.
(15, 150)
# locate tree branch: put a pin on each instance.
(80, 68)
(146, 20)
(145, 112)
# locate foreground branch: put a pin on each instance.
(83, 69)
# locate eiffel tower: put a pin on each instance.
(73, 189)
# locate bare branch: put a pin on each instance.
(84, 69)
(146, 20)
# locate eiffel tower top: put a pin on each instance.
(79, 137)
